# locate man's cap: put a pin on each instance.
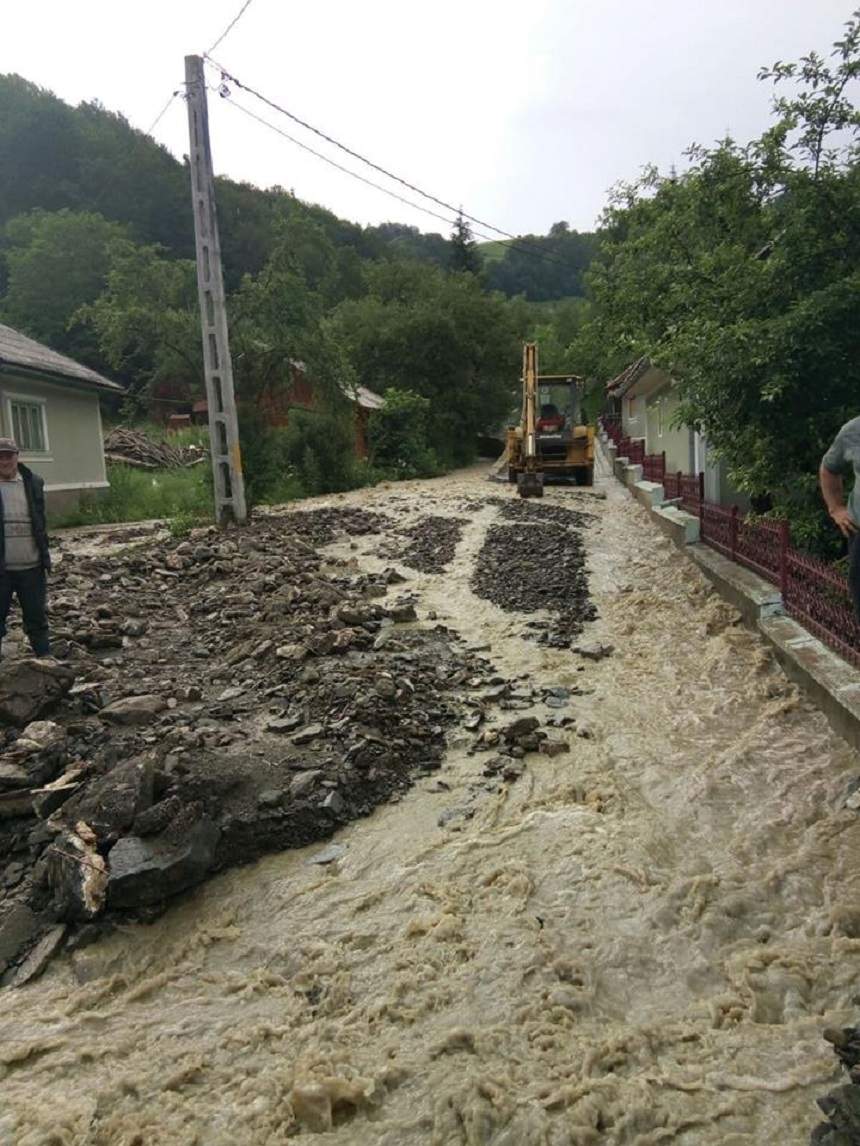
(8, 446)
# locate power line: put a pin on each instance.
(220, 40)
(163, 111)
(226, 75)
(232, 24)
(332, 163)
(533, 252)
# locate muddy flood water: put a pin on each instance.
(638, 942)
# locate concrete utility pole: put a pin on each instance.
(218, 367)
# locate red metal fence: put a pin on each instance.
(813, 592)
(654, 467)
(633, 449)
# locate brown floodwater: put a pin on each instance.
(638, 942)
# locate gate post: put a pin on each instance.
(784, 541)
(733, 535)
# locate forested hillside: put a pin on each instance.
(96, 259)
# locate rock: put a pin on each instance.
(284, 724)
(46, 800)
(554, 747)
(111, 804)
(270, 798)
(17, 928)
(13, 776)
(304, 783)
(30, 687)
(134, 627)
(134, 709)
(153, 820)
(401, 611)
(593, 650)
(521, 727)
(38, 959)
(308, 733)
(77, 874)
(294, 652)
(334, 803)
(147, 871)
(327, 855)
(44, 734)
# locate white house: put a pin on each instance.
(50, 405)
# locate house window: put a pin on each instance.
(28, 426)
(631, 407)
(660, 418)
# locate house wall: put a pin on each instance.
(677, 441)
(74, 458)
(633, 417)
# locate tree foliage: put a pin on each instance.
(441, 336)
(398, 435)
(741, 278)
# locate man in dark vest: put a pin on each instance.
(24, 559)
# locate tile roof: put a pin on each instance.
(18, 350)
(617, 387)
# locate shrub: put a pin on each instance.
(398, 436)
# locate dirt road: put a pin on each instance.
(638, 941)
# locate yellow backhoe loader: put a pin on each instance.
(551, 439)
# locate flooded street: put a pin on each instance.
(637, 942)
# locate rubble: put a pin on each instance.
(537, 564)
(432, 542)
(841, 1107)
(30, 687)
(220, 696)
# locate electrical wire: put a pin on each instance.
(230, 78)
(332, 162)
(232, 24)
(534, 253)
(162, 113)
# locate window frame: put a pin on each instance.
(13, 399)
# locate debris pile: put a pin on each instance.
(841, 1107)
(432, 543)
(133, 448)
(537, 563)
(218, 697)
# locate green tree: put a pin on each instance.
(741, 278)
(147, 321)
(464, 252)
(441, 336)
(55, 263)
(398, 435)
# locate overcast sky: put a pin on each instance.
(524, 112)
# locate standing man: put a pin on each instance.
(24, 558)
(845, 451)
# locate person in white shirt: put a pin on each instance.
(24, 557)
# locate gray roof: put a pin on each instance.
(19, 350)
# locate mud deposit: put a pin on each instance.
(636, 940)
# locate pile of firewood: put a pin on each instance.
(133, 448)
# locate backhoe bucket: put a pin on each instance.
(530, 484)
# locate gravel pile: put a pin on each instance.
(537, 566)
(432, 543)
